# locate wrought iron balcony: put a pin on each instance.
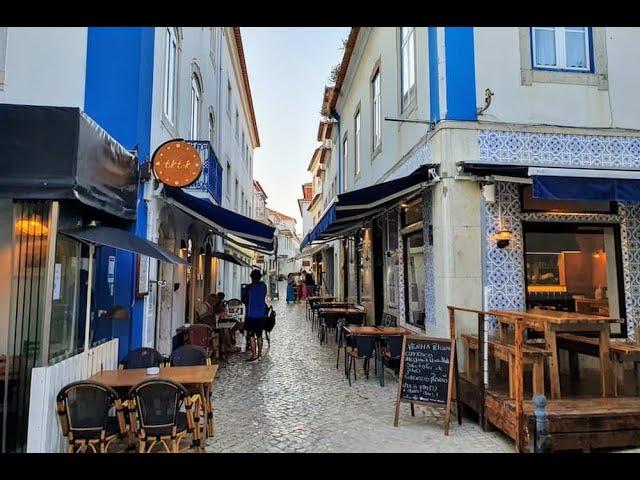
(210, 180)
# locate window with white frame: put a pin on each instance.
(407, 65)
(375, 110)
(561, 48)
(345, 162)
(237, 124)
(196, 95)
(356, 143)
(171, 50)
(212, 127)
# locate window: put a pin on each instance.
(242, 204)
(407, 65)
(212, 127)
(375, 103)
(345, 163)
(237, 124)
(561, 48)
(228, 179)
(356, 143)
(3, 53)
(414, 275)
(235, 196)
(530, 204)
(228, 97)
(170, 73)
(195, 107)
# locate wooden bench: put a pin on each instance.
(505, 352)
(619, 351)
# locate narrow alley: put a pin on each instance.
(294, 400)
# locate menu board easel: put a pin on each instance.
(428, 374)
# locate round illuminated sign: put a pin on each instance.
(176, 164)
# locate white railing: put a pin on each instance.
(44, 434)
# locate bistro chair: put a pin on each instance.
(83, 411)
(391, 349)
(202, 335)
(189, 355)
(142, 358)
(236, 309)
(154, 409)
(363, 348)
(328, 322)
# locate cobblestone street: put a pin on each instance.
(294, 400)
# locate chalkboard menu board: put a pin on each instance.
(426, 373)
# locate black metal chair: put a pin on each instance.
(154, 407)
(391, 350)
(142, 358)
(83, 411)
(329, 321)
(363, 348)
(189, 355)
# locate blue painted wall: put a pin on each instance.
(460, 73)
(434, 92)
(118, 95)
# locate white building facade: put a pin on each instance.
(480, 109)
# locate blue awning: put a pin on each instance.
(586, 185)
(357, 206)
(258, 235)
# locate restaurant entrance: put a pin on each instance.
(575, 268)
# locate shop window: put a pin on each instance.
(412, 214)
(574, 268)
(530, 204)
(414, 278)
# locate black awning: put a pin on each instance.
(223, 221)
(354, 207)
(59, 153)
(123, 240)
(488, 169)
(227, 258)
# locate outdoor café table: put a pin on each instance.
(551, 322)
(199, 377)
(327, 304)
(342, 310)
(311, 301)
(378, 332)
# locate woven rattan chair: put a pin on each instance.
(154, 409)
(83, 411)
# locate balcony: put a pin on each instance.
(210, 181)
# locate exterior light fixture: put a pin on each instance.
(32, 227)
(502, 238)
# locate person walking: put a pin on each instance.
(310, 283)
(256, 313)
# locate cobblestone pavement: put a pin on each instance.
(294, 400)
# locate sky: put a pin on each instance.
(288, 70)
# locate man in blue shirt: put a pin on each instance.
(256, 313)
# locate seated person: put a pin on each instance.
(206, 310)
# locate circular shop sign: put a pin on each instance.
(176, 164)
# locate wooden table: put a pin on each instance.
(551, 322)
(199, 377)
(378, 332)
(311, 301)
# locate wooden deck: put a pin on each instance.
(579, 423)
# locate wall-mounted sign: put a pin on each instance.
(176, 163)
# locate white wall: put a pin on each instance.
(375, 46)
(45, 66)
(498, 67)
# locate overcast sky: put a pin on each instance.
(288, 69)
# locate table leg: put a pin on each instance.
(605, 361)
(380, 364)
(554, 369)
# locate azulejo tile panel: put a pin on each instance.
(558, 149)
(421, 156)
(504, 268)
